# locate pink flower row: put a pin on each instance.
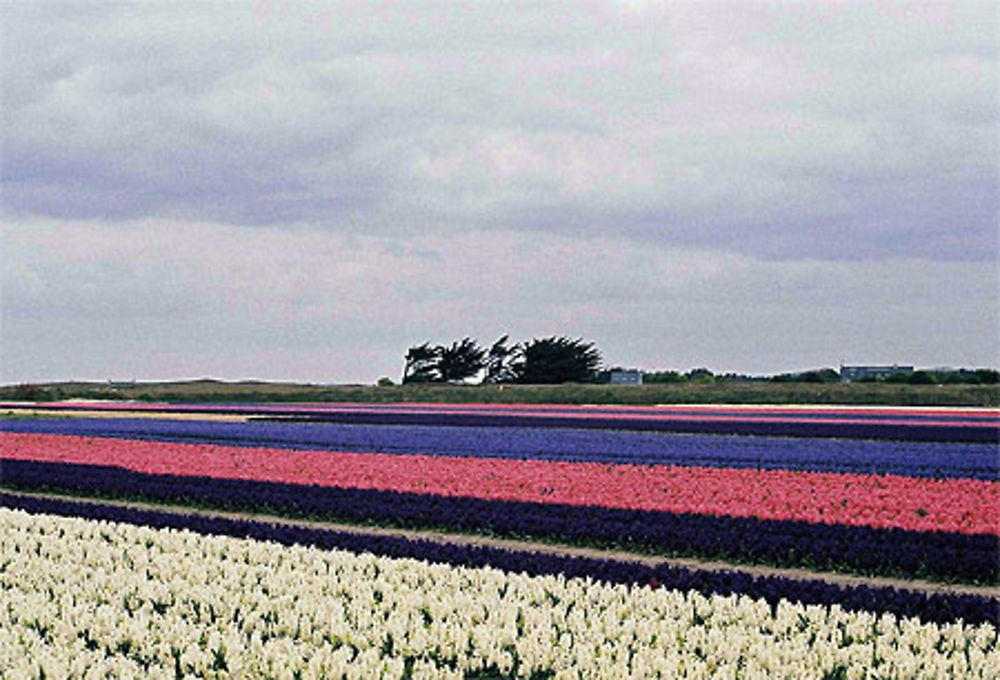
(957, 505)
(955, 417)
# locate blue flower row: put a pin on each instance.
(848, 428)
(942, 555)
(933, 607)
(915, 459)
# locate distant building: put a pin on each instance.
(853, 373)
(620, 377)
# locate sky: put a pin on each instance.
(298, 191)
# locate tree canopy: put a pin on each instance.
(499, 362)
(463, 359)
(540, 361)
(555, 360)
(422, 364)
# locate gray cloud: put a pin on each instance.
(296, 190)
(830, 131)
(155, 299)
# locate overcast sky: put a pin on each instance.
(297, 191)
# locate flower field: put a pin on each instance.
(966, 506)
(946, 425)
(98, 599)
(903, 493)
(862, 456)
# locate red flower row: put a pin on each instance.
(958, 505)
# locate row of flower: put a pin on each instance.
(937, 554)
(967, 506)
(708, 411)
(938, 607)
(915, 459)
(732, 411)
(97, 599)
(903, 424)
(904, 430)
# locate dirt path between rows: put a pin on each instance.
(549, 548)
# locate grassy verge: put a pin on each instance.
(721, 392)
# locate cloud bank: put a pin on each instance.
(300, 190)
(160, 298)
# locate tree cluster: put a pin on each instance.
(961, 376)
(822, 375)
(697, 375)
(550, 360)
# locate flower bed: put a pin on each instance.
(158, 603)
(970, 557)
(968, 425)
(921, 459)
(952, 505)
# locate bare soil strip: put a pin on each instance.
(847, 580)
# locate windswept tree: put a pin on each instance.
(549, 360)
(557, 360)
(463, 359)
(499, 362)
(422, 364)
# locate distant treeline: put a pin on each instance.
(961, 376)
(714, 390)
(555, 360)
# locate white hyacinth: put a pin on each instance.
(86, 599)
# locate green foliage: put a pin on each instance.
(959, 388)
(700, 375)
(978, 376)
(822, 375)
(987, 376)
(425, 363)
(463, 359)
(421, 364)
(499, 362)
(922, 378)
(659, 377)
(554, 360)
(542, 361)
(26, 392)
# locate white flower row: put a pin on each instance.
(85, 599)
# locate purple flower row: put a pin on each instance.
(934, 607)
(915, 459)
(943, 555)
(898, 424)
(845, 428)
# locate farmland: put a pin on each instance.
(484, 541)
